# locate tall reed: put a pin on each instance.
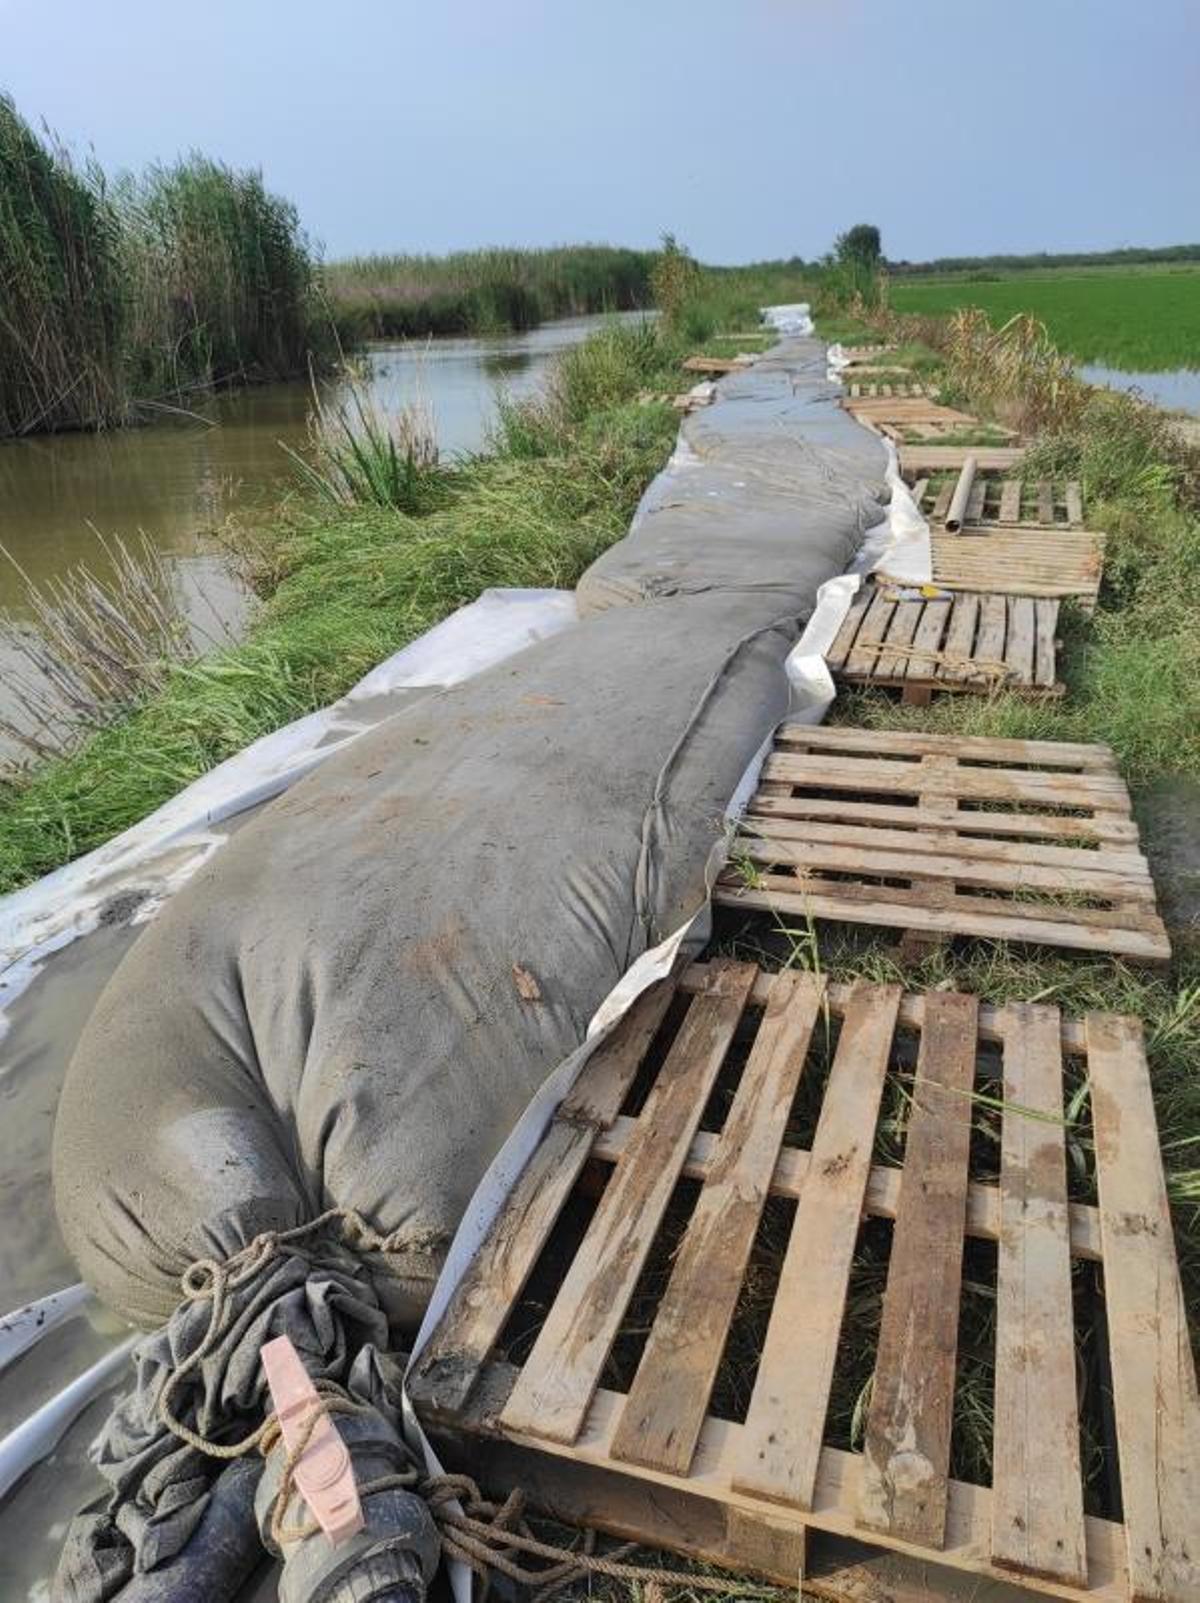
(62, 301)
(99, 645)
(482, 291)
(191, 275)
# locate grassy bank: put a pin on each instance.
(189, 276)
(1137, 321)
(344, 586)
(482, 291)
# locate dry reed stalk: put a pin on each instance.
(95, 646)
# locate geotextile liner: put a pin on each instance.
(352, 1003)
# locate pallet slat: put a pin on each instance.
(563, 1369)
(1154, 1376)
(669, 1397)
(781, 1442)
(1037, 1484)
(484, 1298)
(906, 1455)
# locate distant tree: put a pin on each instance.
(860, 244)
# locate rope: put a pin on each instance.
(984, 667)
(210, 1277)
(481, 1534)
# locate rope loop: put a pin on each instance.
(490, 1538)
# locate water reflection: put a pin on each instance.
(1177, 391)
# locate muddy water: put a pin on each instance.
(182, 477)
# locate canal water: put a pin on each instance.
(180, 479)
(1174, 391)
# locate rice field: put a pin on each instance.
(1137, 321)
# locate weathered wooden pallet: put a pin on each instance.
(915, 410)
(1008, 500)
(865, 353)
(1020, 561)
(896, 386)
(961, 642)
(919, 461)
(899, 416)
(1015, 840)
(717, 364)
(653, 1455)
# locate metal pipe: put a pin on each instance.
(956, 516)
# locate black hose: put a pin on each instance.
(223, 1552)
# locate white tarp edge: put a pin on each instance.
(156, 856)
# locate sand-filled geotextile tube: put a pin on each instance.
(350, 1006)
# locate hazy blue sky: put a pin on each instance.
(749, 127)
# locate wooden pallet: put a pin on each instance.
(652, 1455)
(898, 416)
(1008, 500)
(856, 354)
(919, 461)
(963, 642)
(717, 364)
(896, 386)
(1014, 840)
(1020, 562)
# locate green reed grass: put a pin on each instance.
(190, 275)
(482, 291)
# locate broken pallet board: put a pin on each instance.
(1020, 561)
(717, 364)
(1008, 840)
(656, 1454)
(960, 642)
(919, 460)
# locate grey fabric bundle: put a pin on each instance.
(351, 1005)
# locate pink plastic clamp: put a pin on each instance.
(324, 1475)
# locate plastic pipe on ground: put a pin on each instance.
(957, 513)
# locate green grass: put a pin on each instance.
(350, 584)
(1137, 321)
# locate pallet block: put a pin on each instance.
(652, 1457)
(1013, 840)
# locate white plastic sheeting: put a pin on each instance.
(793, 319)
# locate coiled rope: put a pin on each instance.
(490, 1538)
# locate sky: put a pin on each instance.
(749, 128)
